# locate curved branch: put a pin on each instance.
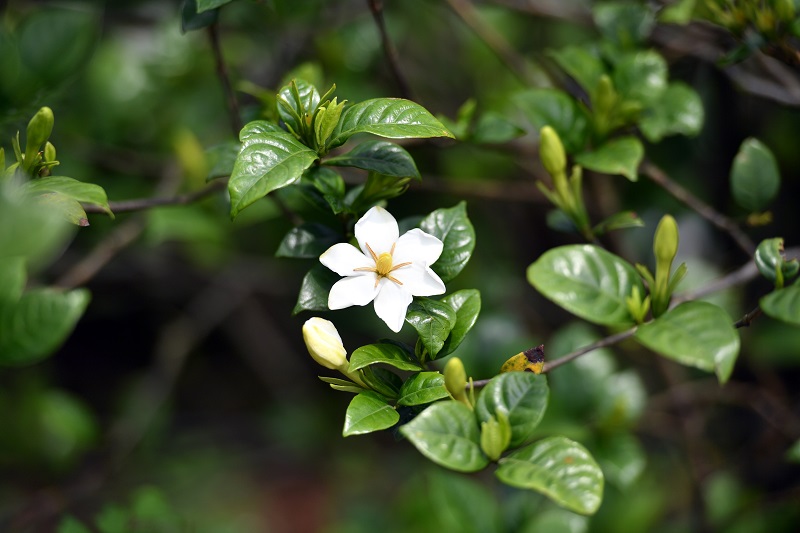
(140, 204)
(389, 51)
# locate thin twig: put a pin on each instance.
(724, 223)
(747, 319)
(224, 78)
(495, 40)
(141, 204)
(389, 51)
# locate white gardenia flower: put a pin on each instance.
(388, 269)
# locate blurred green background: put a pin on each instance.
(185, 400)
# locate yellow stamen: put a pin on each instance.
(383, 265)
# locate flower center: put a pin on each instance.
(383, 266)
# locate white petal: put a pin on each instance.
(352, 290)
(418, 247)
(342, 258)
(378, 228)
(391, 304)
(419, 280)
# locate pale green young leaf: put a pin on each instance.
(617, 156)
(87, 193)
(755, 178)
(389, 354)
(368, 412)
(422, 388)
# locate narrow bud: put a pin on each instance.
(665, 244)
(495, 436)
(455, 378)
(604, 95)
(324, 343)
(49, 152)
(551, 151)
(39, 129)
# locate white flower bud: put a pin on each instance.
(324, 343)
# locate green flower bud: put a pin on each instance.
(39, 129)
(604, 95)
(324, 343)
(551, 151)
(455, 378)
(665, 244)
(495, 436)
(49, 152)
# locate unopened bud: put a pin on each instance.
(495, 436)
(49, 152)
(551, 151)
(665, 244)
(324, 343)
(455, 378)
(604, 95)
(39, 129)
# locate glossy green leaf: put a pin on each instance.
(467, 305)
(679, 111)
(582, 64)
(433, 321)
(256, 128)
(422, 388)
(393, 118)
(368, 412)
(549, 107)
(771, 262)
(622, 459)
(205, 5)
(382, 380)
(87, 193)
(559, 468)
(315, 289)
(38, 323)
(267, 161)
(783, 304)
(293, 112)
(696, 334)
(521, 396)
(383, 157)
(447, 434)
(587, 281)
(755, 178)
(617, 156)
(641, 76)
(324, 188)
(454, 229)
(389, 354)
(308, 240)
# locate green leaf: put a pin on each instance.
(221, 159)
(617, 156)
(327, 184)
(308, 240)
(71, 210)
(447, 434)
(783, 304)
(622, 459)
(383, 157)
(267, 161)
(290, 110)
(433, 321)
(447, 492)
(696, 334)
(393, 118)
(205, 5)
(679, 111)
(29, 230)
(315, 289)
(772, 263)
(368, 412)
(582, 64)
(641, 76)
(192, 20)
(453, 228)
(625, 25)
(38, 323)
(587, 281)
(256, 128)
(522, 396)
(559, 468)
(755, 178)
(422, 388)
(493, 128)
(389, 354)
(12, 280)
(467, 305)
(548, 107)
(621, 220)
(87, 193)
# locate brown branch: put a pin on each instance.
(224, 78)
(722, 222)
(140, 204)
(747, 319)
(389, 51)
